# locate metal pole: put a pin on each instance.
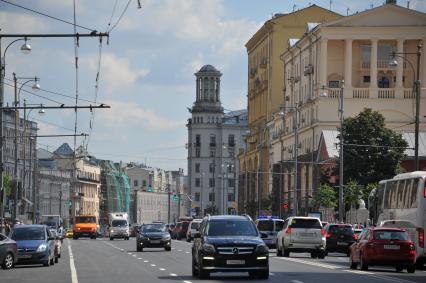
(168, 203)
(30, 181)
(201, 193)
(2, 190)
(24, 146)
(15, 203)
(296, 145)
(416, 134)
(341, 203)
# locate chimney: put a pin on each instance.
(391, 2)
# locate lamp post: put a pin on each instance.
(25, 48)
(225, 177)
(393, 63)
(324, 94)
(35, 86)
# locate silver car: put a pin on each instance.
(301, 235)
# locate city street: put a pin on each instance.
(107, 261)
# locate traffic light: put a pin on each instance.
(285, 205)
(70, 203)
(174, 197)
(149, 189)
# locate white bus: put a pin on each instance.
(403, 199)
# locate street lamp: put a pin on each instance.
(324, 94)
(225, 170)
(35, 86)
(393, 63)
(26, 48)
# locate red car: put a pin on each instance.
(383, 246)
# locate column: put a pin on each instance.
(323, 63)
(373, 64)
(218, 90)
(198, 89)
(400, 67)
(348, 68)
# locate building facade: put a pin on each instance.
(265, 97)
(214, 139)
(349, 57)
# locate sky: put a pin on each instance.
(146, 68)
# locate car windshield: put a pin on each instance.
(265, 225)
(305, 223)
(85, 219)
(154, 228)
(28, 233)
(119, 223)
(341, 230)
(195, 225)
(231, 228)
(390, 235)
(279, 225)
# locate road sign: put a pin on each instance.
(193, 210)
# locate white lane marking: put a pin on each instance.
(72, 266)
(187, 252)
(162, 269)
(382, 277)
(272, 274)
(180, 251)
(122, 250)
(140, 258)
(296, 281)
(153, 265)
(129, 253)
(173, 274)
(311, 263)
(186, 281)
(146, 261)
(134, 255)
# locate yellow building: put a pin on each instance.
(354, 50)
(265, 96)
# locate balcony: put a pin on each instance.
(386, 93)
(361, 93)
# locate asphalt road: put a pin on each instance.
(101, 260)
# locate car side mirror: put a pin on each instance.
(197, 235)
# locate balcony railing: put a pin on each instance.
(409, 93)
(361, 93)
(386, 93)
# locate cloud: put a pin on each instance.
(131, 115)
(22, 23)
(116, 73)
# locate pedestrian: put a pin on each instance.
(7, 227)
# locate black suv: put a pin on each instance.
(153, 235)
(339, 237)
(229, 243)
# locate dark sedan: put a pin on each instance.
(8, 252)
(153, 235)
(339, 238)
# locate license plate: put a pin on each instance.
(234, 261)
(342, 244)
(154, 241)
(24, 256)
(391, 247)
(307, 235)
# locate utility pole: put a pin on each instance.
(417, 122)
(15, 141)
(168, 203)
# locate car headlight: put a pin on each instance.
(262, 249)
(42, 248)
(207, 248)
(167, 237)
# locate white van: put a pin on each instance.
(192, 228)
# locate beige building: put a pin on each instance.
(265, 92)
(353, 50)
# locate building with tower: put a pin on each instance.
(214, 140)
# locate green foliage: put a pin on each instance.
(7, 185)
(352, 193)
(251, 208)
(372, 152)
(325, 196)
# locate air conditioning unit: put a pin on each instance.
(309, 70)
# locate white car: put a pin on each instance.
(301, 235)
(192, 228)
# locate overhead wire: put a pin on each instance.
(121, 16)
(46, 15)
(112, 14)
(76, 43)
(38, 95)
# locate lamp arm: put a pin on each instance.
(4, 53)
(406, 60)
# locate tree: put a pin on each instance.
(251, 208)
(353, 192)
(325, 196)
(372, 152)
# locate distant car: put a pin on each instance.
(181, 229)
(193, 227)
(35, 244)
(134, 229)
(270, 227)
(172, 227)
(229, 243)
(58, 244)
(339, 237)
(302, 234)
(8, 252)
(153, 235)
(68, 233)
(384, 246)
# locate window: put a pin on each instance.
(212, 140)
(197, 196)
(211, 168)
(231, 197)
(197, 140)
(197, 182)
(231, 153)
(231, 140)
(144, 183)
(197, 167)
(211, 182)
(333, 84)
(197, 153)
(211, 197)
(135, 183)
(366, 79)
(212, 153)
(231, 183)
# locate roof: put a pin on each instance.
(311, 26)
(236, 117)
(330, 140)
(292, 41)
(64, 149)
(221, 217)
(207, 68)
(44, 154)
